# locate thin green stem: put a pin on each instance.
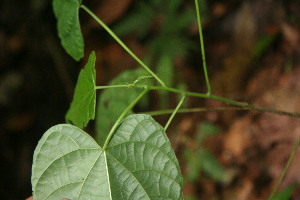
(124, 113)
(270, 110)
(174, 112)
(174, 90)
(111, 86)
(123, 45)
(248, 107)
(201, 95)
(297, 144)
(202, 48)
(193, 110)
(243, 105)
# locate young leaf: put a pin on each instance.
(68, 26)
(112, 102)
(84, 101)
(139, 163)
(211, 166)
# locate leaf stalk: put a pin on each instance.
(174, 112)
(123, 45)
(202, 48)
(119, 120)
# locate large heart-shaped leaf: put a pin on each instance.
(68, 26)
(114, 101)
(84, 101)
(139, 163)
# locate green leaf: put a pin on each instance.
(166, 72)
(84, 101)
(139, 163)
(174, 5)
(112, 102)
(193, 165)
(165, 69)
(138, 21)
(211, 166)
(206, 130)
(68, 26)
(285, 194)
(262, 45)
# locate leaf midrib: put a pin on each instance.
(129, 172)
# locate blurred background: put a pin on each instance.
(253, 54)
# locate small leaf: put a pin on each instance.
(211, 166)
(68, 26)
(84, 101)
(138, 21)
(206, 130)
(112, 102)
(139, 163)
(165, 70)
(285, 194)
(193, 165)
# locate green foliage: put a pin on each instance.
(190, 198)
(193, 165)
(138, 21)
(262, 45)
(285, 194)
(139, 163)
(84, 101)
(201, 160)
(113, 101)
(165, 70)
(136, 160)
(170, 40)
(68, 26)
(211, 166)
(206, 130)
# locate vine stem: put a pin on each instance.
(249, 107)
(241, 105)
(123, 45)
(110, 86)
(124, 113)
(297, 144)
(174, 112)
(193, 110)
(174, 90)
(202, 48)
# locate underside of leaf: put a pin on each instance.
(139, 163)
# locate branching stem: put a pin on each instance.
(202, 48)
(124, 113)
(241, 105)
(297, 144)
(174, 112)
(193, 110)
(123, 45)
